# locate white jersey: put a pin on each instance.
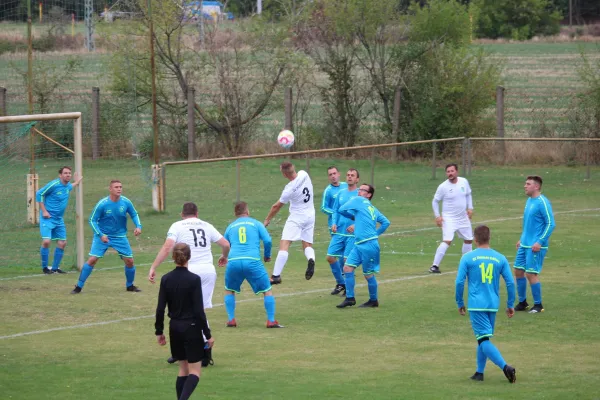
(299, 193)
(198, 235)
(456, 198)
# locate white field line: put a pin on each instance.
(257, 298)
(68, 272)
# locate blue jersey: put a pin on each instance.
(244, 234)
(342, 222)
(110, 217)
(55, 196)
(329, 195)
(482, 268)
(365, 217)
(538, 222)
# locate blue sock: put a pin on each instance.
(481, 360)
(58, 256)
(493, 353)
(229, 300)
(270, 307)
(350, 283)
(44, 252)
(372, 283)
(522, 289)
(129, 276)
(336, 270)
(85, 273)
(536, 292)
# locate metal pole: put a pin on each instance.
(570, 13)
(287, 99)
(89, 24)
(79, 218)
(433, 162)
(237, 180)
(191, 124)
(95, 123)
(30, 87)
(373, 167)
(396, 123)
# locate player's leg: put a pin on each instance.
(233, 284)
(307, 235)
(485, 324)
(370, 264)
(334, 254)
(177, 344)
(194, 353)
(352, 262)
(282, 254)
(257, 277)
(181, 377)
(519, 268)
(535, 261)
(46, 233)
(447, 236)
(465, 232)
(122, 247)
(59, 252)
(97, 251)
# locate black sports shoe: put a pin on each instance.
(478, 376)
(537, 308)
(207, 359)
(510, 373)
(47, 271)
(76, 290)
(370, 304)
(435, 269)
(339, 288)
(171, 360)
(348, 301)
(275, 280)
(58, 271)
(310, 269)
(522, 306)
(133, 288)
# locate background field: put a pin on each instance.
(100, 345)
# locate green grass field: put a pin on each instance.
(100, 345)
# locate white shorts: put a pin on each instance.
(299, 228)
(462, 228)
(208, 276)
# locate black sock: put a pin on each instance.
(179, 385)
(190, 385)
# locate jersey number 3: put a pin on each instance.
(487, 274)
(306, 194)
(202, 241)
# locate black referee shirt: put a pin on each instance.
(181, 290)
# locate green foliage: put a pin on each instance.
(440, 21)
(584, 115)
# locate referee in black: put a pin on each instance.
(181, 290)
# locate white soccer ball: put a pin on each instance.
(285, 139)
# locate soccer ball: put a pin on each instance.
(285, 139)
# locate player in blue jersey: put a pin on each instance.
(53, 199)
(342, 230)
(244, 234)
(538, 225)
(482, 268)
(330, 193)
(366, 244)
(109, 223)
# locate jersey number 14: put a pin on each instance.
(487, 274)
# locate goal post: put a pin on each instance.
(78, 161)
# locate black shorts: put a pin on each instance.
(187, 343)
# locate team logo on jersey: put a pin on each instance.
(108, 212)
(122, 209)
(59, 193)
(462, 188)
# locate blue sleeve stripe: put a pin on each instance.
(549, 219)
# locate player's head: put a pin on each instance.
(189, 210)
(241, 209)
(367, 191)
(115, 188)
(352, 177)
(181, 254)
(482, 235)
(333, 174)
(287, 169)
(64, 173)
(451, 171)
(533, 185)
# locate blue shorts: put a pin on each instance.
(530, 261)
(120, 244)
(340, 246)
(367, 255)
(483, 323)
(251, 270)
(53, 229)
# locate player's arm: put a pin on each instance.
(159, 324)
(77, 179)
(42, 193)
(469, 201)
(199, 313)
(95, 218)
(461, 276)
(225, 247)
(325, 208)
(335, 215)
(510, 287)
(435, 204)
(384, 223)
(272, 212)
(135, 217)
(545, 209)
(267, 241)
(160, 257)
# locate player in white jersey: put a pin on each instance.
(199, 235)
(457, 210)
(300, 224)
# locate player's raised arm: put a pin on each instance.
(272, 212)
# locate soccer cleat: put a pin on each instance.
(435, 269)
(510, 373)
(47, 271)
(232, 324)
(339, 288)
(370, 304)
(207, 359)
(58, 271)
(171, 360)
(478, 376)
(310, 269)
(348, 301)
(537, 308)
(522, 306)
(76, 290)
(133, 288)
(275, 280)
(274, 324)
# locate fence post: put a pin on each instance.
(3, 138)
(396, 123)
(433, 162)
(464, 156)
(191, 99)
(95, 123)
(237, 180)
(500, 122)
(163, 182)
(588, 173)
(287, 99)
(373, 167)
(470, 156)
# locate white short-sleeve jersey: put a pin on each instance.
(454, 198)
(299, 193)
(198, 235)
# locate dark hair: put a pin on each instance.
(451, 165)
(189, 209)
(113, 181)
(241, 207)
(287, 167)
(181, 254)
(355, 170)
(536, 179)
(482, 234)
(371, 189)
(60, 171)
(333, 167)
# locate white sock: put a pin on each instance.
(280, 261)
(439, 253)
(309, 252)
(467, 247)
